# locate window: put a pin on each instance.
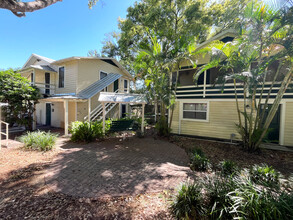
(125, 85)
(102, 75)
(61, 77)
(195, 111)
(32, 78)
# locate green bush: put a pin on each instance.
(198, 161)
(187, 203)
(228, 168)
(217, 189)
(250, 201)
(39, 140)
(264, 175)
(88, 131)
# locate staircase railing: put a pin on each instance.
(96, 112)
(2, 133)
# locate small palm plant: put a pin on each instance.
(266, 41)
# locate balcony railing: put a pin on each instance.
(45, 88)
(218, 92)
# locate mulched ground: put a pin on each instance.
(219, 151)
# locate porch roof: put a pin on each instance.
(110, 97)
(40, 67)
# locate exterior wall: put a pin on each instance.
(57, 117)
(82, 110)
(288, 128)
(71, 112)
(89, 72)
(222, 116)
(70, 78)
(41, 113)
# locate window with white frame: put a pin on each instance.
(196, 111)
(61, 76)
(125, 85)
(102, 75)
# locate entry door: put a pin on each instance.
(48, 114)
(116, 85)
(274, 128)
(123, 110)
(47, 82)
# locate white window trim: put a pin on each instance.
(58, 77)
(103, 72)
(127, 89)
(194, 101)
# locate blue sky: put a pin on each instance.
(67, 28)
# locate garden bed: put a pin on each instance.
(218, 151)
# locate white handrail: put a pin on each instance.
(6, 133)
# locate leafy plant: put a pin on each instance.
(162, 127)
(39, 140)
(264, 175)
(88, 131)
(187, 202)
(228, 167)
(199, 161)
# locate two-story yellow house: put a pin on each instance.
(71, 88)
(206, 110)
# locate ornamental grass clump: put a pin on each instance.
(88, 131)
(228, 168)
(264, 175)
(187, 203)
(39, 140)
(198, 161)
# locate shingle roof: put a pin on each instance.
(98, 86)
(43, 58)
(43, 67)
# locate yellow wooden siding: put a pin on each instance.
(89, 72)
(288, 131)
(70, 78)
(221, 124)
(175, 121)
(71, 112)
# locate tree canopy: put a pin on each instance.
(19, 8)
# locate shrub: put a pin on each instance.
(264, 175)
(196, 150)
(228, 168)
(198, 161)
(88, 131)
(39, 140)
(218, 202)
(187, 202)
(250, 201)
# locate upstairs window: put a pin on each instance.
(125, 85)
(196, 111)
(32, 78)
(102, 75)
(61, 77)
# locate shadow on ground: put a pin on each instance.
(116, 167)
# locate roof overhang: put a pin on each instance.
(39, 67)
(124, 98)
(63, 98)
(57, 62)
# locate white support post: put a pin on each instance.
(204, 83)
(66, 117)
(104, 115)
(89, 109)
(282, 124)
(119, 115)
(34, 118)
(142, 119)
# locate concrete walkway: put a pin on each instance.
(117, 167)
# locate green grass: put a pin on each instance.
(39, 140)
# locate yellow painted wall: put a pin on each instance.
(89, 72)
(70, 78)
(288, 131)
(222, 119)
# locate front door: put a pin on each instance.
(116, 85)
(123, 110)
(48, 114)
(47, 82)
(274, 128)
